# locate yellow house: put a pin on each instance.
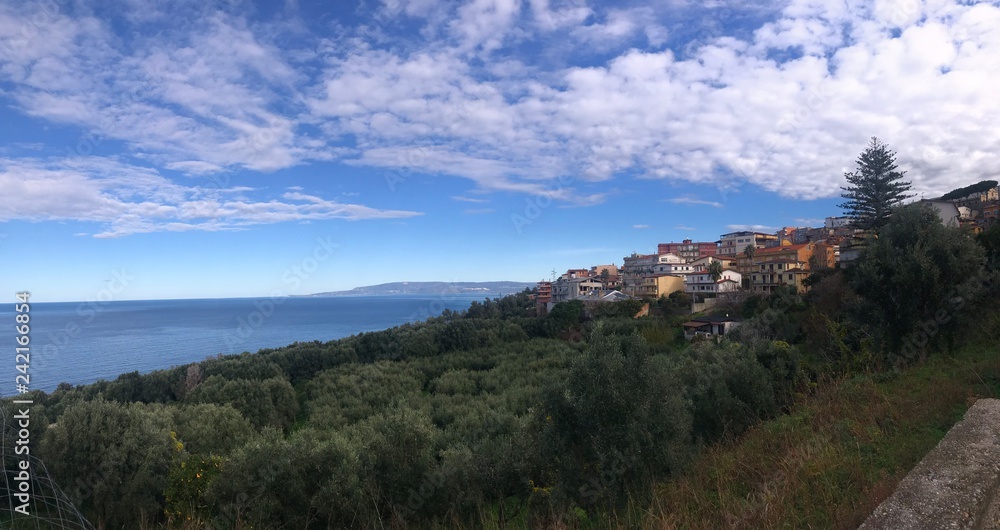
(788, 265)
(658, 285)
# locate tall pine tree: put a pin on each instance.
(874, 188)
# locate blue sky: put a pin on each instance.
(215, 149)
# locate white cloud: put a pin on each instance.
(126, 199)
(484, 23)
(478, 211)
(752, 228)
(549, 19)
(640, 227)
(727, 112)
(787, 107)
(618, 25)
(691, 201)
(468, 199)
(682, 227)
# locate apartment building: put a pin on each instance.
(789, 265)
(733, 243)
(638, 266)
(688, 250)
(564, 290)
(543, 298)
(657, 285)
(703, 263)
(703, 283)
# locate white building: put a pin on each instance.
(703, 263)
(674, 268)
(638, 266)
(733, 243)
(702, 282)
(836, 222)
(946, 210)
(564, 290)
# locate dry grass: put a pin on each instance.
(831, 461)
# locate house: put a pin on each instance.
(576, 273)
(946, 210)
(786, 235)
(638, 266)
(777, 273)
(712, 326)
(688, 250)
(543, 298)
(674, 268)
(789, 265)
(596, 270)
(836, 222)
(615, 296)
(564, 290)
(657, 285)
(703, 263)
(703, 283)
(732, 244)
(991, 211)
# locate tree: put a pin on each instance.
(617, 424)
(715, 270)
(749, 251)
(874, 188)
(113, 457)
(605, 276)
(915, 279)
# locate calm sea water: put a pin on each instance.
(80, 343)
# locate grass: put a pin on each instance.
(834, 458)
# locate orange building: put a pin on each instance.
(688, 250)
(543, 298)
(789, 265)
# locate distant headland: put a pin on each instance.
(434, 288)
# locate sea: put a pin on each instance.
(82, 342)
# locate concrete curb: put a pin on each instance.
(957, 485)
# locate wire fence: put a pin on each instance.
(29, 498)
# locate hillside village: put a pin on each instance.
(751, 261)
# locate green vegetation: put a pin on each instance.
(835, 456)
(979, 187)
(493, 417)
(874, 188)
